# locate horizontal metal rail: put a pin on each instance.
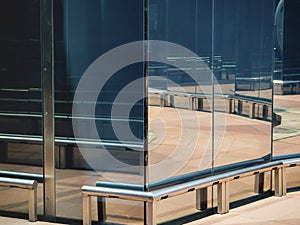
(221, 180)
(66, 140)
(178, 189)
(31, 186)
(118, 193)
(64, 145)
(18, 183)
(213, 180)
(20, 175)
(69, 117)
(241, 105)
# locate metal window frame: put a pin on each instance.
(47, 74)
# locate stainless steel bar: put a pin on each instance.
(198, 200)
(280, 182)
(182, 188)
(163, 100)
(47, 74)
(31, 185)
(191, 101)
(118, 193)
(201, 199)
(39, 139)
(208, 181)
(288, 162)
(223, 197)
(259, 183)
(146, 213)
(195, 103)
(251, 110)
(151, 213)
(32, 194)
(96, 143)
(222, 180)
(176, 189)
(284, 189)
(20, 138)
(86, 206)
(15, 182)
(19, 175)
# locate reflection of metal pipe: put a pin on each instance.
(279, 28)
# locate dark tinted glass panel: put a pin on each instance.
(243, 42)
(20, 99)
(179, 97)
(287, 87)
(103, 97)
(179, 76)
(244, 45)
(20, 67)
(84, 32)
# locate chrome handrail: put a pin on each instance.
(221, 180)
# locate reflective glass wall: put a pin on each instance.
(179, 87)
(99, 101)
(20, 99)
(286, 87)
(180, 98)
(210, 109)
(244, 42)
(193, 100)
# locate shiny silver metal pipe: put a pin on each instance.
(18, 183)
(117, 193)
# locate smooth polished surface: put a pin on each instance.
(284, 210)
(270, 211)
(47, 74)
(70, 181)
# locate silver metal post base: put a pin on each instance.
(86, 204)
(223, 197)
(280, 182)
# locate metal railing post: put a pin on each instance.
(280, 182)
(259, 183)
(201, 199)
(86, 204)
(223, 197)
(33, 203)
(151, 213)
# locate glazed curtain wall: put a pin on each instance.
(218, 101)
(209, 103)
(286, 83)
(206, 91)
(208, 83)
(99, 101)
(20, 99)
(202, 103)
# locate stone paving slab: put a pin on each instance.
(271, 211)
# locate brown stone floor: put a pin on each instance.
(271, 211)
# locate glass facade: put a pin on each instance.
(21, 97)
(146, 94)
